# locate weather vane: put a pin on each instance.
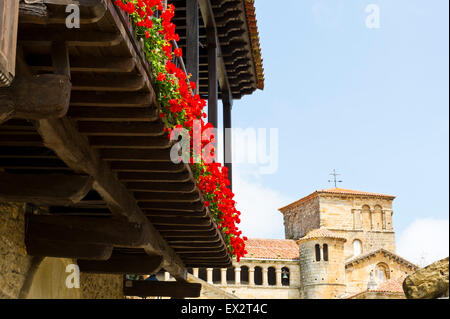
(335, 178)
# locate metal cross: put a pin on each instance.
(335, 179)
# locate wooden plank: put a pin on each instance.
(122, 83)
(108, 114)
(184, 187)
(136, 264)
(138, 155)
(112, 99)
(73, 37)
(153, 197)
(132, 142)
(147, 167)
(181, 221)
(105, 64)
(149, 288)
(63, 138)
(93, 128)
(86, 230)
(153, 177)
(49, 189)
(37, 97)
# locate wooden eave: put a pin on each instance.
(235, 39)
(113, 118)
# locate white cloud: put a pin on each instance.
(424, 241)
(259, 207)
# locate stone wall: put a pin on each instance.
(358, 274)
(23, 276)
(301, 219)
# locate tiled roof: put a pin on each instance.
(254, 37)
(380, 251)
(322, 233)
(342, 191)
(336, 191)
(272, 249)
(392, 285)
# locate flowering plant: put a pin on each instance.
(181, 109)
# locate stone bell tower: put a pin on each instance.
(322, 265)
(364, 219)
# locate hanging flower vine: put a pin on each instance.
(181, 109)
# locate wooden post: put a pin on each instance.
(192, 41)
(212, 78)
(9, 20)
(227, 106)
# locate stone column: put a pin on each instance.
(251, 275)
(279, 276)
(210, 276)
(237, 275)
(224, 276)
(166, 276)
(195, 272)
(265, 274)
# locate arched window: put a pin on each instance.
(285, 276)
(382, 272)
(202, 274)
(317, 252)
(258, 276)
(357, 247)
(231, 276)
(272, 276)
(244, 275)
(217, 275)
(325, 252)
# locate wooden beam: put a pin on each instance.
(61, 249)
(73, 37)
(136, 264)
(149, 288)
(40, 13)
(86, 230)
(98, 128)
(48, 189)
(36, 97)
(62, 137)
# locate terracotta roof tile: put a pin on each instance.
(392, 285)
(255, 42)
(321, 233)
(336, 191)
(272, 249)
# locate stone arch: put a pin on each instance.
(203, 274)
(382, 272)
(258, 276)
(325, 252)
(366, 217)
(217, 275)
(377, 218)
(285, 276)
(357, 247)
(244, 275)
(317, 252)
(231, 275)
(272, 276)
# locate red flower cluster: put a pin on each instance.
(182, 109)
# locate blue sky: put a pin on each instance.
(371, 103)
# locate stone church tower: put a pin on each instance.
(333, 227)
